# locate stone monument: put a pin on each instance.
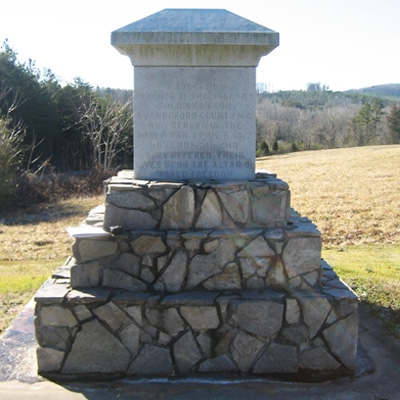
(196, 264)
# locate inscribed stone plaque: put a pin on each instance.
(194, 123)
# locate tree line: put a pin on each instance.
(319, 118)
(47, 126)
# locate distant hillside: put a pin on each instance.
(388, 90)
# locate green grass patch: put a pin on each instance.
(373, 272)
(19, 281)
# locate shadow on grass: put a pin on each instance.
(389, 316)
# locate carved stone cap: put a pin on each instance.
(195, 37)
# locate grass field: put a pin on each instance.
(351, 194)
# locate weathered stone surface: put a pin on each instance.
(263, 318)
(52, 292)
(258, 247)
(55, 337)
(112, 315)
(269, 209)
(245, 349)
(57, 316)
(174, 275)
(228, 279)
(130, 335)
(128, 263)
(129, 199)
(302, 255)
(178, 211)
(93, 249)
(49, 360)
(117, 279)
(236, 204)
(148, 244)
(135, 312)
(218, 364)
(128, 219)
(186, 352)
(85, 275)
(91, 352)
(82, 313)
(276, 276)
(278, 358)
(210, 214)
(315, 310)
(318, 359)
(205, 342)
(166, 319)
(200, 318)
(152, 360)
(341, 338)
(296, 334)
(292, 312)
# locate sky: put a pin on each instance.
(344, 44)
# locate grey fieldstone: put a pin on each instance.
(148, 244)
(82, 312)
(315, 309)
(91, 352)
(186, 352)
(261, 317)
(200, 318)
(318, 359)
(55, 337)
(341, 338)
(276, 276)
(49, 360)
(128, 219)
(245, 349)
(85, 275)
(129, 199)
(211, 245)
(178, 211)
(203, 267)
(166, 319)
(301, 256)
(269, 208)
(296, 334)
(174, 275)
(236, 204)
(112, 315)
(57, 316)
(135, 312)
(128, 263)
(152, 360)
(205, 341)
(254, 267)
(258, 248)
(292, 313)
(130, 335)
(210, 213)
(117, 279)
(278, 358)
(218, 364)
(93, 249)
(228, 279)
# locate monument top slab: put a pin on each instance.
(145, 40)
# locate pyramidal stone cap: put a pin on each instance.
(195, 37)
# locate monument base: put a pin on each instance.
(243, 295)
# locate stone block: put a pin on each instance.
(49, 360)
(259, 317)
(152, 360)
(91, 352)
(200, 318)
(278, 358)
(93, 249)
(186, 352)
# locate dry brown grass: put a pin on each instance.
(351, 194)
(33, 243)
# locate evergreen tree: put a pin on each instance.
(393, 121)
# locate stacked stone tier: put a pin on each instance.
(123, 333)
(195, 205)
(213, 260)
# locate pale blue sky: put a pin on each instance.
(343, 43)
